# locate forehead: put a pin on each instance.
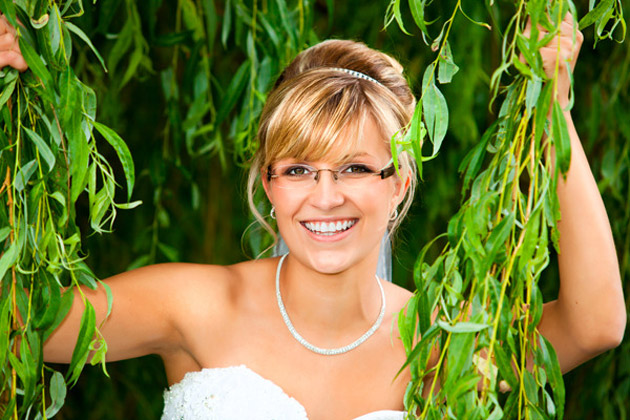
(361, 139)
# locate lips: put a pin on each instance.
(330, 228)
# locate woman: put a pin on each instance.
(314, 325)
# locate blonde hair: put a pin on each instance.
(313, 105)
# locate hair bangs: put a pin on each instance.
(326, 120)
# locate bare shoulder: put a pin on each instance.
(215, 288)
(174, 290)
(171, 278)
(398, 296)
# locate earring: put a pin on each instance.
(272, 213)
(394, 216)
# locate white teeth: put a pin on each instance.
(328, 229)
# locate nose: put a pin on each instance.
(327, 192)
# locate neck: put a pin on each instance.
(330, 309)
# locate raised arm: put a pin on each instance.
(589, 316)
(152, 306)
(151, 312)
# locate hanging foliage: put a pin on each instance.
(477, 306)
(49, 156)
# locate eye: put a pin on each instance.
(356, 169)
(296, 170)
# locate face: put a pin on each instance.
(330, 226)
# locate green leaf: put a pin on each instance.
(534, 87)
(459, 359)
(66, 304)
(424, 343)
(554, 374)
(44, 150)
(78, 156)
(542, 109)
(78, 32)
(5, 328)
(395, 4)
(234, 89)
(35, 63)
(8, 9)
(4, 233)
(531, 389)
(415, 137)
(57, 394)
(499, 236)
(54, 30)
(110, 297)
(129, 206)
(124, 41)
(435, 110)
(462, 327)
(123, 154)
(446, 67)
(7, 91)
(561, 139)
(474, 159)
(40, 22)
(24, 175)
(531, 240)
(51, 305)
(227, 23)
(417, 11)
(86, 333)
(505, 367)
(596, 14)
(424, 313)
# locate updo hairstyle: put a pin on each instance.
(316, 111)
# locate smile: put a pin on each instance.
(329, 228)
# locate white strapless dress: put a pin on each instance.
(235, 393)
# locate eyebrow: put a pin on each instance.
(348, 158)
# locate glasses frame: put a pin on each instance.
(386, 172)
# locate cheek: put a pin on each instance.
(377, 199)
(287, 203)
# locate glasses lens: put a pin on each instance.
(295, 176)
(357, 174)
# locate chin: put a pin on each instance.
(333, 262)
(329, 262)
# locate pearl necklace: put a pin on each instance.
(318, 350)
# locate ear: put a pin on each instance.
(402, 186)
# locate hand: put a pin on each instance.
(10, 54)
(563, 48)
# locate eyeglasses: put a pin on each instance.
(297, 176)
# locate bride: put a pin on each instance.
(309, 333)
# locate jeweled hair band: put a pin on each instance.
(358, 75)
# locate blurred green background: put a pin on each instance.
(180, 95)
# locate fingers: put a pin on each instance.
(13, 59)
(5, 26)
(566, 30)
(10, 54)
(565, 45)
(8, 42)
